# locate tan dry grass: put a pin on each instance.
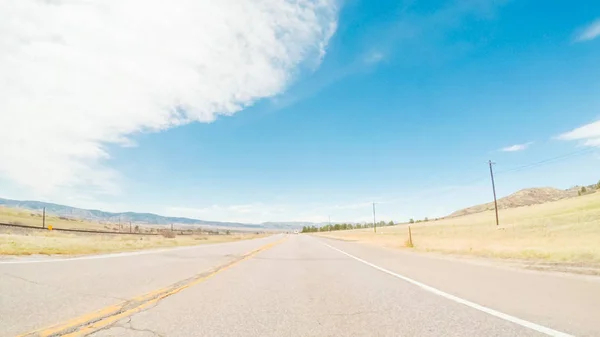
(565, 231)
(31, 218)
(52, 242)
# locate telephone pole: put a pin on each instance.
(494, 190)
(374, 223)
(44, 218)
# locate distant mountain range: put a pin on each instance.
(141, 218)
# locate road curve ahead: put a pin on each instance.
(290, 286)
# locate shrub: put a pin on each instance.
(169, 234)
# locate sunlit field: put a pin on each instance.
(565, 231)
(25, 241)
(28, 242)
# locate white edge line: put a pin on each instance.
(506, 317)
(113, 255)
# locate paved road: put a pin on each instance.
(295, 286)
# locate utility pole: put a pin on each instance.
(494, 190)
(171, 227)
(374, 223)
(44, 218)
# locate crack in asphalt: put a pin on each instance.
(129, 326)
(41, 284)
(357, 313)
(126, 306)
(132, 307)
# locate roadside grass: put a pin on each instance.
(561, 232)
(61, 243)
(32, 218)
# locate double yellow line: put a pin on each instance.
(100, 319)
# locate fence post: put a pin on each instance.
(410, 237)
(44, 218)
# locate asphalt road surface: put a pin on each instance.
(295, 285)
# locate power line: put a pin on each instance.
(374, 223)
(472, 181)
(545, 161)
(494, 189)
(514, 169)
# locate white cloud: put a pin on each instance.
(516, 147)
(244, 213)
(374, 57)
(79, 75)
(590, 32)
(588, 134)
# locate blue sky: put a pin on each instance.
(403, 107)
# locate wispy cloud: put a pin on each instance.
(589, 33)
(588, 134)
(516, 147)
(78, 75)
(374, 57)
(244, 213)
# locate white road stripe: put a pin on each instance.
(521, 322)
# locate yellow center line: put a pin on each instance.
(102, 318)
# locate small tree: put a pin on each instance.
(583, 190)
(598, 185)
(391, 223)
(411, 220)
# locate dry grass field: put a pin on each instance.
(30, 218)
(28, 242)
(23, 241)
(565, 232)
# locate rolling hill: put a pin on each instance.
(525, 197)
(141, 218)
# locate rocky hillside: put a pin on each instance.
(525, 197)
